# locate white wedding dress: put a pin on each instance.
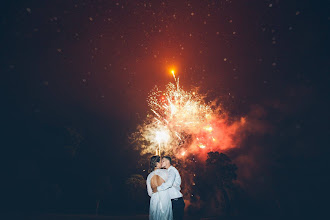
(160, 202)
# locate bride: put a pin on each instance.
(160, 202)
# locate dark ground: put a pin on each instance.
(93, 217)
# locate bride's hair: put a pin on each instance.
(153, 161)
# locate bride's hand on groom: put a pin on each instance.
(154, 189)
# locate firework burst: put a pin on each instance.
(182, 123)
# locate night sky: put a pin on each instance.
(76, 76)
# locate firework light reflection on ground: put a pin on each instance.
(182, 123)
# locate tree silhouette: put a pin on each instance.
(136, 192)
(215, 183)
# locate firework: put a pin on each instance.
(182, 123)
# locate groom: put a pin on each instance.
(173, 185)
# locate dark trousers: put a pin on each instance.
(178, 208)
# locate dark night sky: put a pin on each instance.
(88, 66)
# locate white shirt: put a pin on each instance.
(172, 183)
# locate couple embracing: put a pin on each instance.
(163, 185)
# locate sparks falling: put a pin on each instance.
(182, 123)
